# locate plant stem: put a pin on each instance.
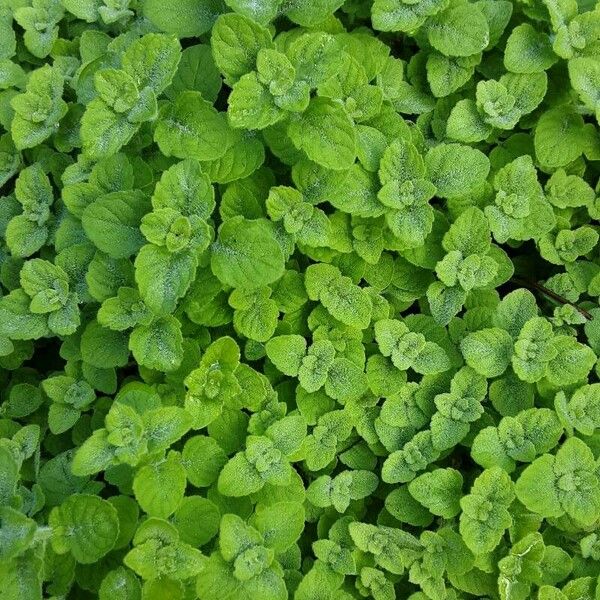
(557, 297)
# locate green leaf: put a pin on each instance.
(316, 57)
(488, 351)
(236, 41)
(390, 15)
(340, 490)
(190, 127)
(40, 24)
(280, 524)
(186, 188)
(446, 74)
(123, 311)
(459, 31)
(404, 464)
(25, 237)
(16, 320)
(46, 284)
(392, 548)
(469, 234)
(326, 133)
(345, 380)
(120, 584)
(22, 577)
(117, 89)
(484, 515)
(528, 50)
(558, 137)
(445, 302)
(246, 254)
(348, 303)
(159, 487)
(61, 418)
(521, 438)
(456, 170)
(152, 61)
(214, 382)
(157, 553)
(190, 18)
(112, 222)
(497, 14)
(403, 507)
(10, 467)
(439, 491)
(103, 131)
(520, 210)
(514, 310)
(84, 525)
(497, 105)
(27, 233)
(572, 363)
(465, 124)
(158, 345)
(568, 190)
(533, 350)
(276, 71)
(256, 314)
(585, 79)
(536, 488)
(203, 459)
(9, 43)
(286, 352)
(197, 520)
(239, 477)
(197, 71)
(581, 412)
(163, 278)
(31, 126)
(102, 347)
(16, 533)
(94, 455)
(313, 15)
(244, 154)
(251, 105)
(87, 10)
(528, 90)
(263, 13)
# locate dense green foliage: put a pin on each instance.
(299, 299)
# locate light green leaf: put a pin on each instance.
(236, 41)
(439, 491)
(559, 137)
(280, 524)
(152, 61)
(488, 351)
(459, 31)
(190, 127)
(189, 18)
(251, 105)
(246, 254)
(84, 525)
(163, 278)
(112, 222)
(103, 131)
(158, 345)
(326, 133)
(456, 170)
(159, 487)
(528, 50)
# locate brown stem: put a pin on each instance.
(544, 290)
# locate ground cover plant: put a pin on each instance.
(299, 299)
